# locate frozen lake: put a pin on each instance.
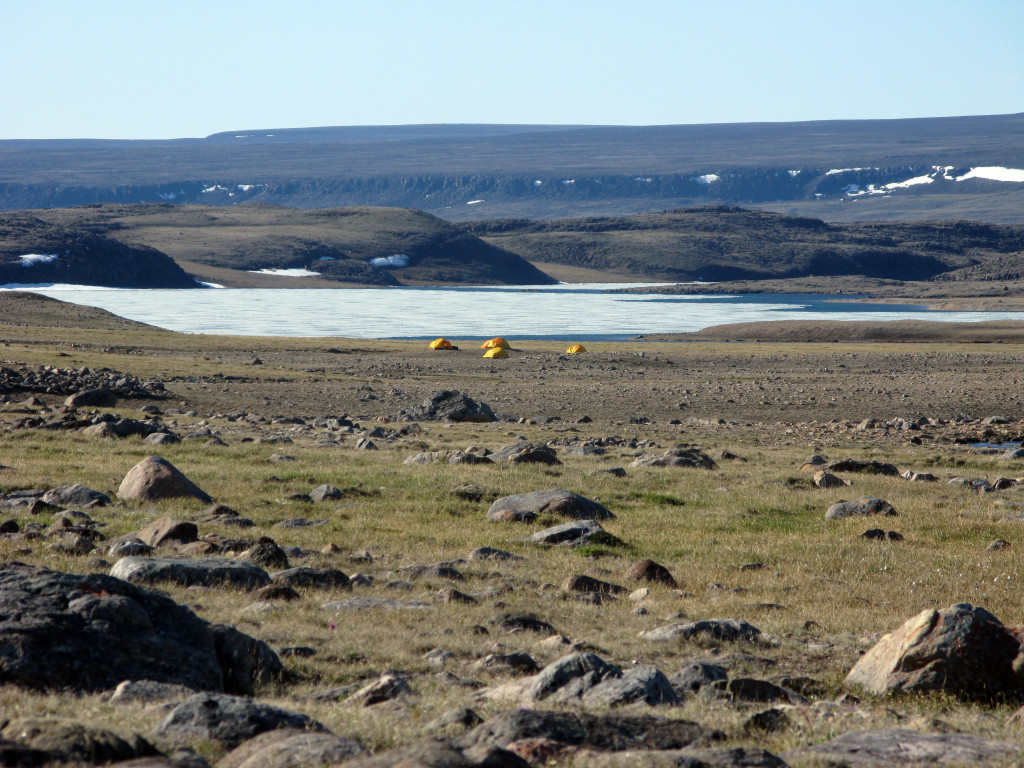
(571, 311)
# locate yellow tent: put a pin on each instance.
(576, 349)
(497, 341)
(496, 352)
(440, 344)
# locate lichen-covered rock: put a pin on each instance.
(62, 631)
(962, 650)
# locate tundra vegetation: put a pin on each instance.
(265, 423)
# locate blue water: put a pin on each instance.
(573, 312)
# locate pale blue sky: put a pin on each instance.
(149, 69)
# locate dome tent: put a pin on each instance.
(497, 341)
(576, 349)
(440, 344)
(496, 353)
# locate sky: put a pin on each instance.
(136, 69)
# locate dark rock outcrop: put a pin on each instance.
(450, 405)
(63, 631)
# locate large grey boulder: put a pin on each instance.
(154, 478)
(203, 572)
(63, 631)
(526, 507)
(226, 720)
(894, 747)
(570, 677)
(962, 650)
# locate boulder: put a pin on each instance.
(438, 754)
(450, 405)
(588, 584)
(825, 479)
(326, 493)
(518, 622)
(691, 757)
(726, 630)
(649, 571)
(64, 741)
(574, 534)
(570, 677)
(750, 689)
(893, 747)
(526, 507)
(695, 676)
(962, 650)
(225, 720)
(869, 466)
(245, 661)
(75, 496)
(293, 748)
(643, 684)
(377, 603)
(92, 398)
(611, 732)
(865, 505)
(88, 633)
(154, 478)
(204, 572)
(525, 453)
(384, 688)
(168, 529)
(317, 578)
(676, 457)
(492, 553)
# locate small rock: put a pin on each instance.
(865, 505)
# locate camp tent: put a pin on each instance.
(576, 349)
(496, 352)
(440, 344)
(497, 341)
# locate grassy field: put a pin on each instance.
(746, 540)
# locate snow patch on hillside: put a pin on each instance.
(31, 259)
(394, 261)
(285, 272)
(994, 173)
